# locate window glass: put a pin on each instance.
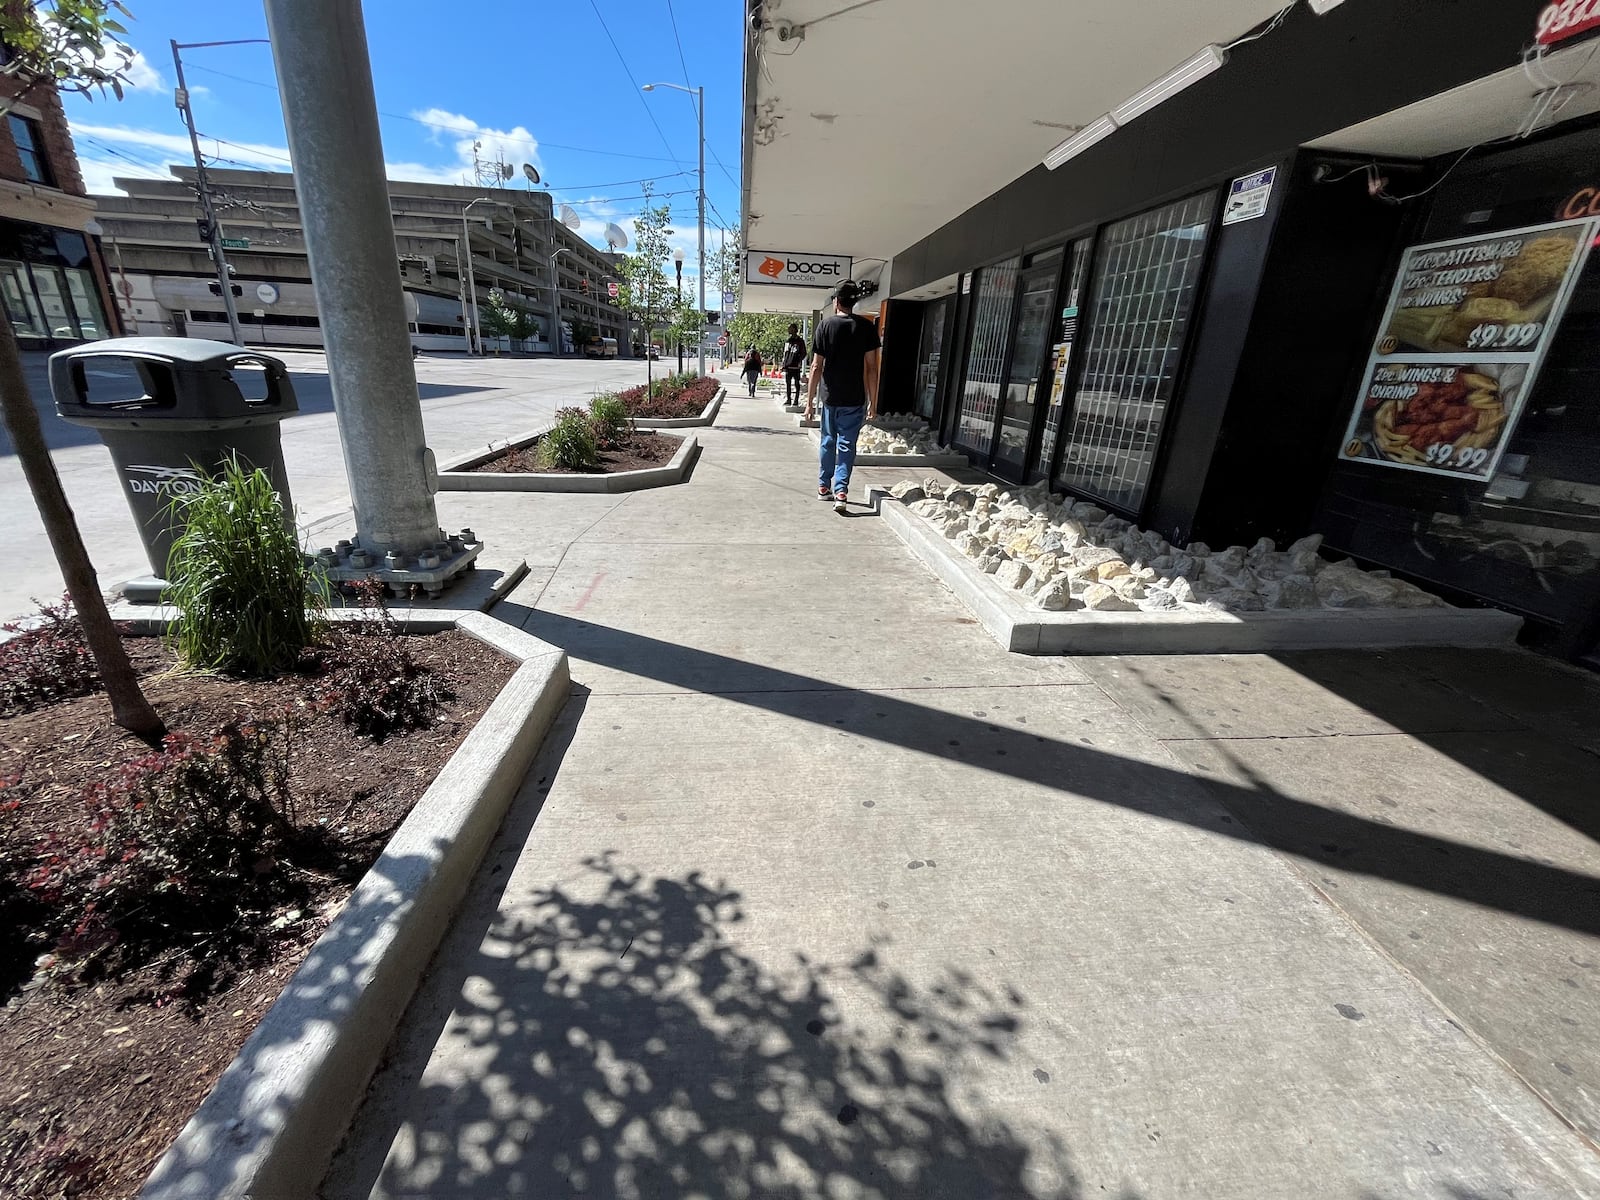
(929, 356)
(1061, 353)
(21, 304)
(993, 294)
(30, 149)
(86, 299)
(53, 295)
(1147, 272)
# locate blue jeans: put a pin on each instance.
(840, 427)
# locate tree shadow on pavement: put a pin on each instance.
(610, 1040)
(1540, 890)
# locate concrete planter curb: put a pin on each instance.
(708, 416)
(939, 462)
(1026, 630)
(455, 475)
(272, 1123)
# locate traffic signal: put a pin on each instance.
(583, 286)
(205, 229)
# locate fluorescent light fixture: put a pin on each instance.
(1095, 131)
(1174, 81)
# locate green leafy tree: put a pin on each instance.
(644, 291)
(71, 45)
(501, 318)
(765, 331)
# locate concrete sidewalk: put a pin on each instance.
(816, 893)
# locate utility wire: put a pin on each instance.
(530, 141)
(648, 111)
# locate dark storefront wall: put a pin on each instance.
(1529, 540)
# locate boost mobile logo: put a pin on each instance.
(771, 267)
(164, 481)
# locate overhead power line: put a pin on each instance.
(648, 111)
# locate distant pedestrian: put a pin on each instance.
(794, 358)
(844, 372)
(752, 368)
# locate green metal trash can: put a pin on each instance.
(168, 408)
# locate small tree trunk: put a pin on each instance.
(129, 708)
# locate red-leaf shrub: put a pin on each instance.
(46, 663)
(373, 682)
(675, 396)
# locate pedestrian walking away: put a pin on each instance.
(794, 358)
(844, 374)
(752, 368)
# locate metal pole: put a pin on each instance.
(218, 259)
(461, 294)
(678, 263)
(555, 303)
(701, 93)
(325, 77)
(473, 338)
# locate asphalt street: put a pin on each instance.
(465, 403)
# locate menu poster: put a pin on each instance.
(1465, 332)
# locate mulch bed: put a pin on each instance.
(99, 1079)
(638, 451)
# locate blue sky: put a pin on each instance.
(531, 82)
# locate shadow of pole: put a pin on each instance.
(1541, 891)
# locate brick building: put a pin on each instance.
(51, 275)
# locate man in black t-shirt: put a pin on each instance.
(844, 371)
(794, 358)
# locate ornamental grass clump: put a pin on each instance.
(610, 420)
(246, 594)
(570, 442)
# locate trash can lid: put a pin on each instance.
(179, 349)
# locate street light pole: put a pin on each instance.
(700, 107)
(699, 94)
(555, 303)
(677, 262)
(474, 339)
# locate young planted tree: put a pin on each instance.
(645, 293)
(72, 45)
(501, 318)
(765, 331)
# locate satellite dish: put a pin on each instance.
(615, 238)
(530, 172)
(569, 217)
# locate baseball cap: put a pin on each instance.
(847, 292)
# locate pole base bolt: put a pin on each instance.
(427, 561)
(360, 558)
(468, 536)
(343, 548)
(394, 560)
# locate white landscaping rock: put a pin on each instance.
(1014, 574)
(1100, 598)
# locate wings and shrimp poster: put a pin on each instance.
(1466, 329)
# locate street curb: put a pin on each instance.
(153, 620)
(271, 1124)
(1024, 630)
(454, 477)
(708, 416)
(939, 462)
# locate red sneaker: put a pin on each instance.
(841, 502)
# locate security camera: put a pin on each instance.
(788, 31)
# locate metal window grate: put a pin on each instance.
(994, 290)
(1147, 270)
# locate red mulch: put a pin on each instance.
(638, 451)
(98, 1080)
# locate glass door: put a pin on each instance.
(930, 355)
(1036, 294)
(1061, 357)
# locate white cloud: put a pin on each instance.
(514, 146)
(142, 77)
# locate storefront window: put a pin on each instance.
(1034, 302)
(930, 356)
(1061, 352)
(994, 291)
(86, 300)
(21, 305)
(53, 295)
(1146, 274)
(1520, 528)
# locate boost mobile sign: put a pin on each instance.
(796, 270)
